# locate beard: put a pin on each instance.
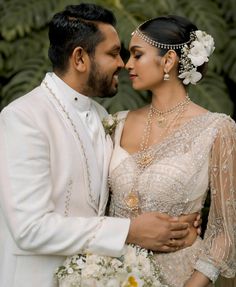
(100, 85)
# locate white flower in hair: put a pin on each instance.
(191, 77)
(194, 55)
(207, 41)
(198, 54)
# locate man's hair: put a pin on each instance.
(76, 26)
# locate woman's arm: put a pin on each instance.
(219, 252)
(198, 279)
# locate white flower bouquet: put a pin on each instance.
(136, 268)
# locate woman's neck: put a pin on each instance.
(165, 99)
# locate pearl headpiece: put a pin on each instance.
(194, 53)
(158, 44)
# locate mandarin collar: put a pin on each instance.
(79, 101)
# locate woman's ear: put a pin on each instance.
(80, 59)
(169, 60)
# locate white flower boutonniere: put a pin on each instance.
(109, 123)
(135, 268)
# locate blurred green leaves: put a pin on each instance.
(24, 45)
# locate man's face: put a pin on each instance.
(105, 65)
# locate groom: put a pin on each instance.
(54, 160)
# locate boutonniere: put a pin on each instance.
(109, 123)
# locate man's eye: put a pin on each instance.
(114, 55)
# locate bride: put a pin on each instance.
(169, 153)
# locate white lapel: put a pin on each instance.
(107, 148)
(107, 151)
(84, 144)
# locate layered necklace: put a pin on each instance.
(146, 155)
(162, 120)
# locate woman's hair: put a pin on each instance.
(171, 30)
(168, 30)
(73, 27)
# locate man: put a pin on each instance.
(55, 156)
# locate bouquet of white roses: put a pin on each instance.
(135, 268)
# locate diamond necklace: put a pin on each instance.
(146, 155)
(161, 115)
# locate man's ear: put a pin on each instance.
(80, 59)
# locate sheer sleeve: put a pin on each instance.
(219, 255)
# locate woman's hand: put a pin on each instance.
(198, 279)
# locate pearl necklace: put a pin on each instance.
(147, 155)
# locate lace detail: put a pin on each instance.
(208, 269)
(186, 165)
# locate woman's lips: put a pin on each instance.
(132, 76)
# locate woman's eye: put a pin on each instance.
(137, 56)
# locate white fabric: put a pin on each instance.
(197, 156)
(87, 112)
(46, 212)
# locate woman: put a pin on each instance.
(169, 153)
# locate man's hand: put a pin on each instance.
(156, 231)
(163, 233)
(194, 219)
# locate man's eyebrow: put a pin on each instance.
(115, 48)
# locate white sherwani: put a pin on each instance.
(52, 192)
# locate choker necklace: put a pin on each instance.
(146, 155)
(162, 120)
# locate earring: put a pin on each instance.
(166, 77)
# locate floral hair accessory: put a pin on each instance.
(194, 53)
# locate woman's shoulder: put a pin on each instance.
(131, 115)
(223, 121)
(225, 127)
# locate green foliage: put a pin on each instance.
(24, 45)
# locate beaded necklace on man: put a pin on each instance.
(146, 154)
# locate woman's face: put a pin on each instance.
(144, 65)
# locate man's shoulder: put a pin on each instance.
(26, 99)
(28, 103)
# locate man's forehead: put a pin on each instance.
(108, 30)
(111, 38)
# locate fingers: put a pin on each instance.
(166, 248)
(175, 243)
(198, 221)
(178, 234)
(178, 225)
(190, 218)
(199, 231)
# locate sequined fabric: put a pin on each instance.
(197, 157)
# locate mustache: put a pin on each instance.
(117, 71)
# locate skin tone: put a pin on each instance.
(96, 75)
(146, 69)
(103, 68)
